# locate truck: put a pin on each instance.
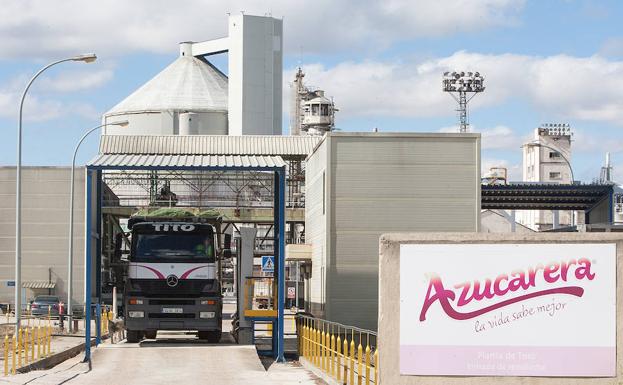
(173, 280)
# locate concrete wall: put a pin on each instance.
(45, 216)
(316, 225)
(375, 183)
(255, 75)
(389, 305)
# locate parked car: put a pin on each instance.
(41, 304)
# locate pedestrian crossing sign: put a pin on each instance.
(268, 264)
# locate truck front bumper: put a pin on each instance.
(164, 314)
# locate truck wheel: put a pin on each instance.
(151, 334)
(133, 336)
(213, 336)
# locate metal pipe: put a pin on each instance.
(88, 58)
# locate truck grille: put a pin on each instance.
(171, 302)
(169, 315)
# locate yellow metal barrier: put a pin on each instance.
(6, 355)
(345, 353)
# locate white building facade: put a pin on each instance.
(547, 159)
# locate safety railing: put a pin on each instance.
(28, 346)
(345, 353)
(260, 297)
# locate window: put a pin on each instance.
(315, 109)
(324, 110)
(554, 155)
(555, 175)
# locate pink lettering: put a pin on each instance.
(474, 291)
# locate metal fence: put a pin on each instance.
(28, 346)
(344, 353)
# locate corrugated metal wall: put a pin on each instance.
(45, 216)
(379, 183)
(315, 224)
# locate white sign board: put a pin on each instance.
(508, 309)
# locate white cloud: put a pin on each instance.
(500, 137)
(40, 105)
(77, 80)
(38, 28)
(563, 87)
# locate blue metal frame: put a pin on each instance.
(87, 267)
(279, 226)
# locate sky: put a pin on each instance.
(550, 61)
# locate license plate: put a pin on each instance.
(172, 310)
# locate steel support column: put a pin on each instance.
(87, 265)
(280, 259)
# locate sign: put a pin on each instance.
(268, 264)
(291, 292)
(508, 309)
(10, 283)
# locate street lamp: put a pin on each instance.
(70, 257)
(536, 144)
(87, 58)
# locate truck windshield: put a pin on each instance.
(174, 248)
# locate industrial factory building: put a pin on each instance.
(343, 190)
(361, 185)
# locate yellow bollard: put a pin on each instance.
(19, 348)
(376, 366)
(352, 360)
(13, 351)
(332, 345)
(6, 355)
(359, 363)
(345, 360)
(327, 344)
(49, 340)
(39, 342)
(339, 358)
(323, 338)
(367, 364)
(306, 340)
(26, 346)
(317, 347)
(32, 344)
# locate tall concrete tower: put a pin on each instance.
(547, 159)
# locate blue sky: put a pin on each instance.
(544, 61)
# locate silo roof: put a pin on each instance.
(187, 84)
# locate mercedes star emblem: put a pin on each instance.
(172, 280)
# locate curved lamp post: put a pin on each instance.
(87, 58)
(70, 257)
(533, 144)
(558, 151)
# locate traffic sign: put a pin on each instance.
(268, 264)
(291, 292)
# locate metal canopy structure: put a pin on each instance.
(174, 163)
(543, 196)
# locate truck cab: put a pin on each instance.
(172, 279)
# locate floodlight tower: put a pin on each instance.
(463, 83)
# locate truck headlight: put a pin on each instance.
(207, 314)
(136, 314)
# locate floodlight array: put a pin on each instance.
(556, 129)
(463, 82)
